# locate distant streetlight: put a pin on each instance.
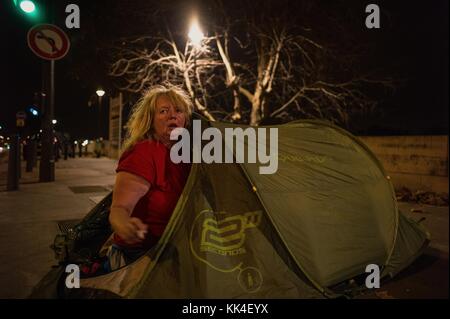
(54, 121)
(100, 93)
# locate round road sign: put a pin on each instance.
(48, 41)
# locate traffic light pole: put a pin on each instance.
(47, 163)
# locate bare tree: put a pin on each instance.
(255, 66)
(137, 67)
(292, 74)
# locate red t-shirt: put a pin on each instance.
(151, 160)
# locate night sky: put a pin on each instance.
(412, 41)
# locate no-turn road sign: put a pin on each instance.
(48, 41)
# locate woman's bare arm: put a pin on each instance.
(128, 189)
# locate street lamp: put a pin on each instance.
(196, 36)
(195, 33)
(100, 93)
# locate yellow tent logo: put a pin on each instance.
(227, 236)
(218, 239)
(216, 236)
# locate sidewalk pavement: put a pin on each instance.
(29, 217)
(29, 222)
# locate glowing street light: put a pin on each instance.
(196, 36)
(195, 33)
(54, 121)
(100, 93)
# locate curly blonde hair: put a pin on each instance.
(140, 124)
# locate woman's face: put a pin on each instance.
(168, 116)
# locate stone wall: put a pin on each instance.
(415, 162)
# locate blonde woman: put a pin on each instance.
(148, 184)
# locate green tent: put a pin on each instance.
(304, 232)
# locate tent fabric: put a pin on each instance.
(411, 240)
(328, 212)
(329, 200)
(223, 246)
(219, 244)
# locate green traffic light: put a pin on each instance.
(27, 6)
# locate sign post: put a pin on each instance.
(50, 43)
(14, 164)
(21, 116)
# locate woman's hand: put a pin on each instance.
(132, 230)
